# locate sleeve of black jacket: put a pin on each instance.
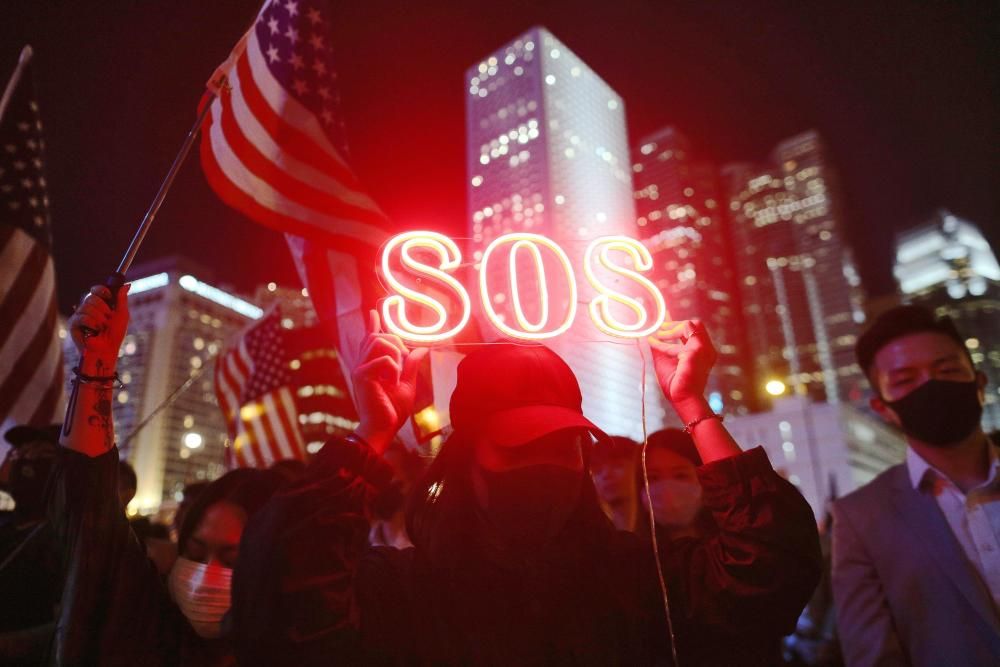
(115, 610)
(757, 573)
(294, 585)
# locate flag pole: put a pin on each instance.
(117, 279)
(22, 62)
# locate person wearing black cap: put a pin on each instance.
(29, 569)
(916, 552)
(514, 561)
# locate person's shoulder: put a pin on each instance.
(870, 499)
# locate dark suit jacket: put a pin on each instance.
(906, 593)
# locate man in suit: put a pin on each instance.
(916, 553)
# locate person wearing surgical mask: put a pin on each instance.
(116, 608)
(671, 467)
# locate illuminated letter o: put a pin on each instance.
(529, 330)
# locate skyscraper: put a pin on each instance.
(802, 296)
(681, 219)
(178, 324)
(547, 153)
(946, 264)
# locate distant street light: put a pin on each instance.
(775, 387)
(192, 440)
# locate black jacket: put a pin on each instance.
(115, 608)
(309, 591)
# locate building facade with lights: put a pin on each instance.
(547, 153)
(178, 324)
(826, 450)
(948, 265)
(801, 292)
(681, 219)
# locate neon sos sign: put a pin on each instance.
(527, 267)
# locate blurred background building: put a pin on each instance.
(824, 449)
(547, 152)
(682, 220)
(802, 296)
(946, 264)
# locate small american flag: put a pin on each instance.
(253, 383)
(31, 365)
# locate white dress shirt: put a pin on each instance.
(974, 517)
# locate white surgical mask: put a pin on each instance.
(202, 591)
(675, 502)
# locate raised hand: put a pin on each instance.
(385, 384)
(97, 329)
(683, 356)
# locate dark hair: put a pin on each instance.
(614, 449)
(126, 473)
(676, 441)
(247, 488)
(898, 322)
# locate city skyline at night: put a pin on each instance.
(906, 115)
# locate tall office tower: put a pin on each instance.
(681, 220)
(802, 295)
(547, 153)
(946, 264)
(178, 324)
(322, 397)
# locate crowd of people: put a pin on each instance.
(531, 538)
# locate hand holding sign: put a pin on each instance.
(683, 355)
(385, 382)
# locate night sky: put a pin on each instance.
(906, 96)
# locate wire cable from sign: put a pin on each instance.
(649, 508)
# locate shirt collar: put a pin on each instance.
(919, 468)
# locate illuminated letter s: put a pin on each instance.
(600, 307)
(450, 259)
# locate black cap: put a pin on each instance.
(23, 435)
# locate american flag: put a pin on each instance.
(31, 364)
(253, 383)
(274, 148)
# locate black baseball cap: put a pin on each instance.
(517, 393)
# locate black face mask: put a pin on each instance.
(940, 412)
(27, 486)
(527, 506)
